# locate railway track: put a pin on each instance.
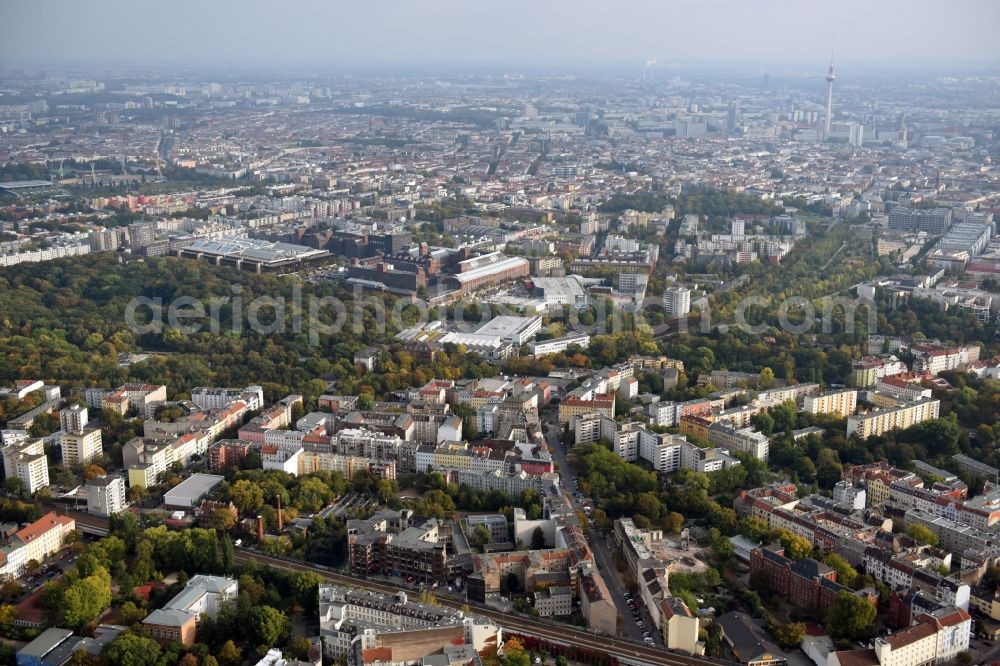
(622, 650)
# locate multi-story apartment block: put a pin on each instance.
(555, 600)
(905, 387)
(496, 523)
(932, 220)
(27, 461)
(677, 301)
(850, 495)
(952, 535)
(37, 541)
(134, 396)
(935, 639)
(877, 479)
(781, 394)
(510, 483)
(211, 422)
(73, 419)
(806, 583)
(602, 403)
(842, 402)
(106, 495)
(729, 379)
(743, 440)
(227, 453)
(217, 398)
(80, 448)
(664, 413)
(667, 453)
(934, 359)
(393, 543)
(590, 428)
(146, 459)
(868, 370)
(679, 626)
(345, 465)
(596, 603)
(880, 421)
(760, 502)
(917, 568)
(534, 569)
(362, 627)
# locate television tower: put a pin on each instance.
(829, 97)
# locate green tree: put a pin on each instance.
(229, 654)
(516, 657)
(222, 519)
(721, 544)
(674, 522)
(846, 574)
(305, 587)
(766, 379)
(796, 547)
(125, 525)
(481, 535)
(755, 529)
(851, 617)
(922, 534)
(311, 495)
(267, 625)
(108, 551)
(80, 658)
(14, 486)
(298, 647)
(86, 598)
(228, 555)
(131, 649)
(8, 614)
(130, 614)
(246, 495)
(789, 635)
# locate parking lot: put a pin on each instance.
(49, 569)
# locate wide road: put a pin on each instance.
(621, 649)
(597, 541)
(560, 634)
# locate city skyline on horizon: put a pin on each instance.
(453, 36)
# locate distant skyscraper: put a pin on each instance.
(731, 117)
(829, 97)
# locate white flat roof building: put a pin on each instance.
(188, 492)
(516, 330)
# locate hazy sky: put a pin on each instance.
(561, 34)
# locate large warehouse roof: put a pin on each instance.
(253, 250)
(191, 489)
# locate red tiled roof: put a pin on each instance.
(43, 525)
(377, 654)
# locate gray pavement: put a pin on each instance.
(597, 541)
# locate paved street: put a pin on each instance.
(597, 542)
